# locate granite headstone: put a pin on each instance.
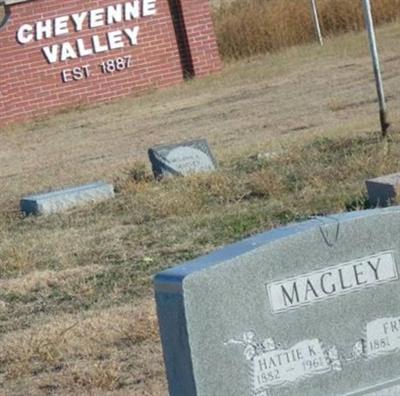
(61, 200)
(307, 310)
(383, 190)
(182, 159)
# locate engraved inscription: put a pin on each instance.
(332, 282)
(271, 366)
(382, 337)
(188, 159)
(280, 367)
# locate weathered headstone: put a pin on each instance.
(383, 191)
(308, 310)
(58, 201)
(182, 159)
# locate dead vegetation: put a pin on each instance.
(249, 27)
(83, 320)
(96, 352)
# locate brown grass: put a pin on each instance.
(95, 352)
(92, 329)
(249, 27)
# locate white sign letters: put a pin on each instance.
(82, 47)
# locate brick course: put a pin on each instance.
(175, 43)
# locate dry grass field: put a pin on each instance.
(76, 307)
(249, 27)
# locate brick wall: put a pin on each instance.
(177, 41)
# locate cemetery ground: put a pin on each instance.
(296, 135)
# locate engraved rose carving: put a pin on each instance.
(253, 348)
(250, 352)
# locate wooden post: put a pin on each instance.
(316, 22)
(369, 23)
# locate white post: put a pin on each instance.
(316, 21)
(369, 23)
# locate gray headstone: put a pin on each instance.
(383, 190)
(308, 310)
(182, 159)
(58, 201)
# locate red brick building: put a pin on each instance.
(59, 54)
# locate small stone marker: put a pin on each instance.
(383, 190)
(307, 310)
(58, 201)
(182, 159)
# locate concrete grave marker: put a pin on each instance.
(382, 191)
(58, 201)
(182, 159)
(307, 310)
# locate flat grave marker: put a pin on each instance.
(310, 309)
(61, 200)
(182, 159)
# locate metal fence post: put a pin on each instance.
(316, 22)
(369, 23)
